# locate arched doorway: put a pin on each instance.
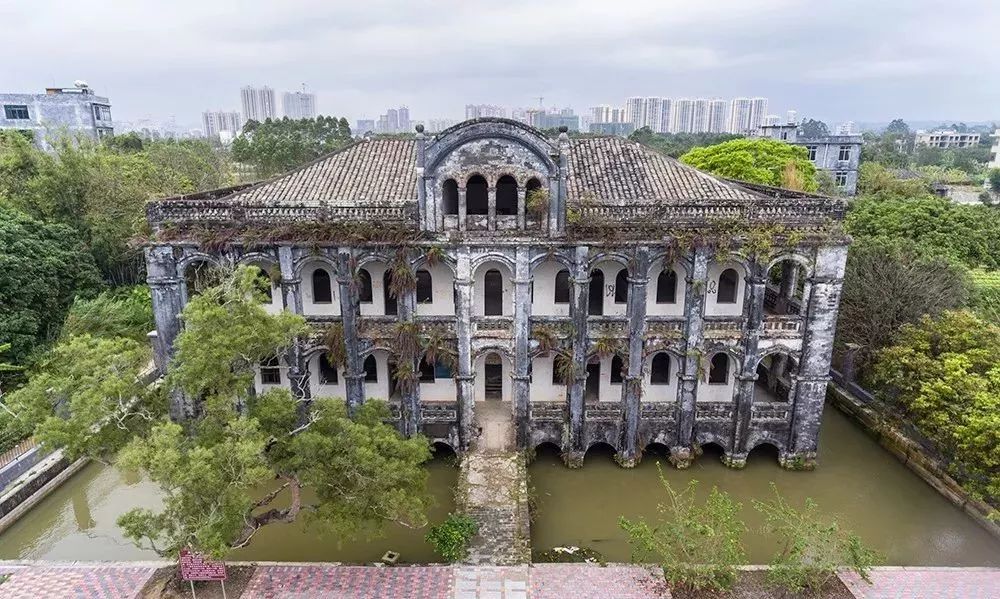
(493, 407)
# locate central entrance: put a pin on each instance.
(493, 408)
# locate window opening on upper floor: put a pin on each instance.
(617, 368)
(321, 287)
(364, 286)
(477, 196)
(371, 370)
(327, 371)
(425, 287)
(666, 287)
(507, 196)
(659, 371)
(493, 293)
(595, 295)
(449, 197)
(391, 305)
(729, 280)
(621, 286)
(718, 373)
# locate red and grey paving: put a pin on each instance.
(82, 580)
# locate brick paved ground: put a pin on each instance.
(76, 582)
(584, 581)
(350, 582)
(491, 582)
(927, 583)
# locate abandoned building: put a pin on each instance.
(589, 290)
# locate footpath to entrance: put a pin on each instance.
(124, 580)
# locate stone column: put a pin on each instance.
(166, 286)
(632, 389)
(694, 323)
(463, 210)
(522, 335)
(753, 311)
(463, 331)
(820, 322)
(579, 308)
(522, 206)
(789, 282)
(350, 311)
(291, 294)
(491, 208)
(410, 402)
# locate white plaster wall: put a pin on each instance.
(442, 292)
(377, 306)
(276, 305)
(610, 270)
(544, 281)
(659, 393)
(380, 389)
(655, 309)
(480, 369)
(712, 307)
(609, 391)
(541, 388)
(322, 390)
(479, 289)
(309, 307)
(717, 391)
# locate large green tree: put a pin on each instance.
(813, 128)
(678, 144)
(276, 146)
(765, 161)
(42, 268)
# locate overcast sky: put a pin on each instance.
(864, 60)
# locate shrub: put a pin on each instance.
(450, 539)
(698, 545)
(124, 312)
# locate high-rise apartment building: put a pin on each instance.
(363, 126)
(215, 122)
(747, 114)
(607, 114)
(651, 112)
(475, 111)
(718, 116)
(258, 103)
(298, 105)
(395, 120)
(683, 120)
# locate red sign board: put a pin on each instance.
(194, 566)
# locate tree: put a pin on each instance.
(898, 127)
(677, 144)
(888, 283)
(42, 268)
(348, 474)
(812, 547)
(943, 375)
(756, 161)
(276, 146)
(812, 128)
(123, 312)
(697, 544)
(993, 180)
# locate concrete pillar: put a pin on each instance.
(817, 349)
(577, 385)
(291, 294)
(632, 389)
(522, 335)
(463, 210)
(694, 317)
(789, 282)
(350, 310)
(521, 207)
(410, 403)
(753, 310)
(491, 208)
(557, 203)
(166, 284)
(426, 206)
(463, 331)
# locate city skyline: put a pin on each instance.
(436, 60)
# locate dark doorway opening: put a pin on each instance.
(493, 377)
(595, 299)
(493, 293)
(592, 390)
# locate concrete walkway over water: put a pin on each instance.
(124, 580)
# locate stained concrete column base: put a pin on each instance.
(574, 459)
(798, 461)
(736, 461)
(627, 461)
(681, 457)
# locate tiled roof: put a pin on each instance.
(375, 170)
(614, 170)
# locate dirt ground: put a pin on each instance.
(166, 583)
(753, 586)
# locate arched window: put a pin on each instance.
(532, 185)
(617, 366)
(476, 199)
(426, 371)
(507, 195)
(666, 287)
(560, 366)
(199, 276)
(728, 283)
(425, 288)
(595, 298)
(449, 196)
(371, 370)
(493, 293)
(659, 371)
(562, 287)
(718, 374)
(327, 371)
(364, 286)
(391, 305)
(621, 286)
(270, 371)
(322, 289)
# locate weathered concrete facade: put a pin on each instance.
(609, 307)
